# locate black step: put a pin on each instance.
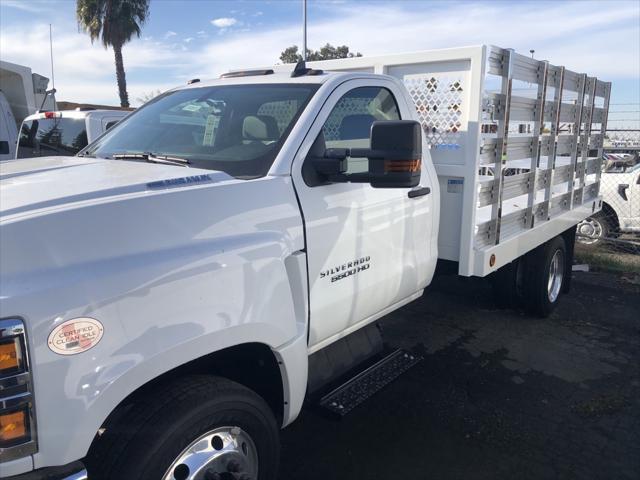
(366, 383)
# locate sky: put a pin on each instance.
(204, 38)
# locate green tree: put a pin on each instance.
(114, 22)
(328, 52)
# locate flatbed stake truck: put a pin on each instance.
(171, 294)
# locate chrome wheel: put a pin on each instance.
(590, 231)
(556, 274)
(221, 454)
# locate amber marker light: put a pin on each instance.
(13, 427)
(9, 356)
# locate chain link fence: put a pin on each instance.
(613, 234)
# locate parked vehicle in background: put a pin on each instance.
(173, 294)
(620, 190)
(8, 130)
(64, 132)
(21, 94)
(618, 162)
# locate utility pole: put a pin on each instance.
(304, 30)
(53, 78)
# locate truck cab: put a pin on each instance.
(66, 132)
(22, 92)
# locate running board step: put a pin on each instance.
(368, 382)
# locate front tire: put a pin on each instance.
(546, 274)
(593, 230)
(196, 428)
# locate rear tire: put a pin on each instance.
(151, 440)
(545, 275)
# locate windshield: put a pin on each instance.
(238, 129)
(52, 136)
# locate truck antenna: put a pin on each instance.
(304, 30)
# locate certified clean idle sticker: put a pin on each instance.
(75, 336)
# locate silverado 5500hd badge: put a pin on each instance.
(347, 269)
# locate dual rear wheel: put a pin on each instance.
(536, 280)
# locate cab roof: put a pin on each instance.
(279, 77)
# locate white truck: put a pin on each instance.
(170, 296)
(620, 192)
(66, 132)
(21, 94)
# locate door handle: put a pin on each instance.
(419, 192)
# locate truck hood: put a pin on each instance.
(32, 184)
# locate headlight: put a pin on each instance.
(17, 416)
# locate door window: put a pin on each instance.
(349, 123)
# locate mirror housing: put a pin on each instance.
(395, 157)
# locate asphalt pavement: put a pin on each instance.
(499, 395)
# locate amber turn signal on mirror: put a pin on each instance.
(402, 166)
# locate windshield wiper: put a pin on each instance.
(150, 157)
(167, 159)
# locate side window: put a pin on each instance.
(111, 124)
(349, 123)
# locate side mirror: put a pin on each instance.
(395, 157)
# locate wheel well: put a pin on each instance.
(610, 214)
(252, 364)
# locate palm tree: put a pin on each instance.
(114, 22)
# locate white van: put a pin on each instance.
(64, 132)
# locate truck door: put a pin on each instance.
(368, 248)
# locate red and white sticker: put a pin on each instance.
(75, 336)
